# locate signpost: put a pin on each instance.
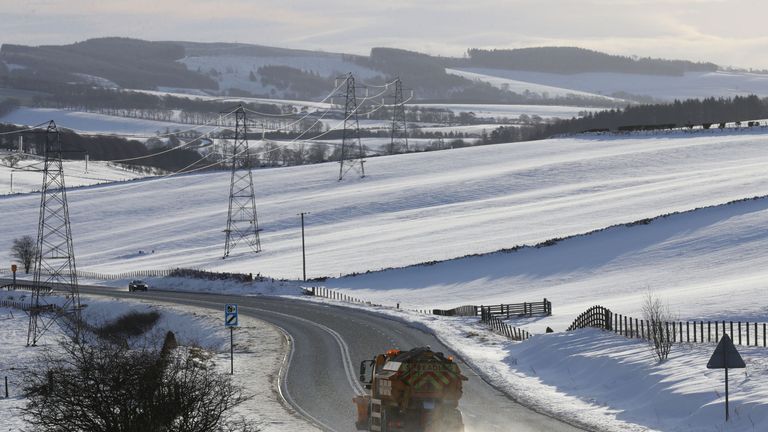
(230, 320)
(724, 357)
(13, 269)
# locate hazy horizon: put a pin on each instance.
(724, 32)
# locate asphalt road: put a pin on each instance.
(329, 342)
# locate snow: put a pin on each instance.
(411, 208)
(602, 381)
(190, 95)
(522, 87)
(622, 378)
(513, 111)
(256, 370)
(707, 263)
(665, 87)
(235, 70)
(74, 174)
(611, 383)
(94, 123)
(475, 130)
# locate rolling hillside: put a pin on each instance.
(545, 75)
(411, 208)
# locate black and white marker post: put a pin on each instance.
(230, 320)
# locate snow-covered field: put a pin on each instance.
(94, 123)
(705, 263)
(234, 100)
(411, 208)
(74, 174)
(513, 111)
(689, 85)
(233, 71)
(522, 87)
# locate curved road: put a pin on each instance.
(328, 344)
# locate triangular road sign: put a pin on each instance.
(726, 356)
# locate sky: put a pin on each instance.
(729, 33)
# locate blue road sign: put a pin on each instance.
(230, 315)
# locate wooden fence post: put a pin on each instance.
(755, 334)
(747, 324)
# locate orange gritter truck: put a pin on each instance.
(410, 391)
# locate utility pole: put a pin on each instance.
(242, 220)
(399, 133)
(352, 155)
(55, 256)
(303, 248)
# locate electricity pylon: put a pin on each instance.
(242, 220)
(352, 155)
(55, 268)
(399, 136)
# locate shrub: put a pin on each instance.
(105, 387)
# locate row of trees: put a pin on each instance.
(90, 97)
(709, 111)
(688, 112)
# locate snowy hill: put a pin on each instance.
(707, 263)
(411, 208)
(496, 79)
(94, 123)
(234, 71)
(662, 87)
(75, 174)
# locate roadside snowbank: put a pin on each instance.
(255, 369)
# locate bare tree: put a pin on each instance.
(103, 386)
(658, 316)
(25, 250)
(13, 160)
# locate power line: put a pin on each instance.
(29, 129)
(328, 96)
(182, 145)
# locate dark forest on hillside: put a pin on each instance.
(570, 60)
(706, 112)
